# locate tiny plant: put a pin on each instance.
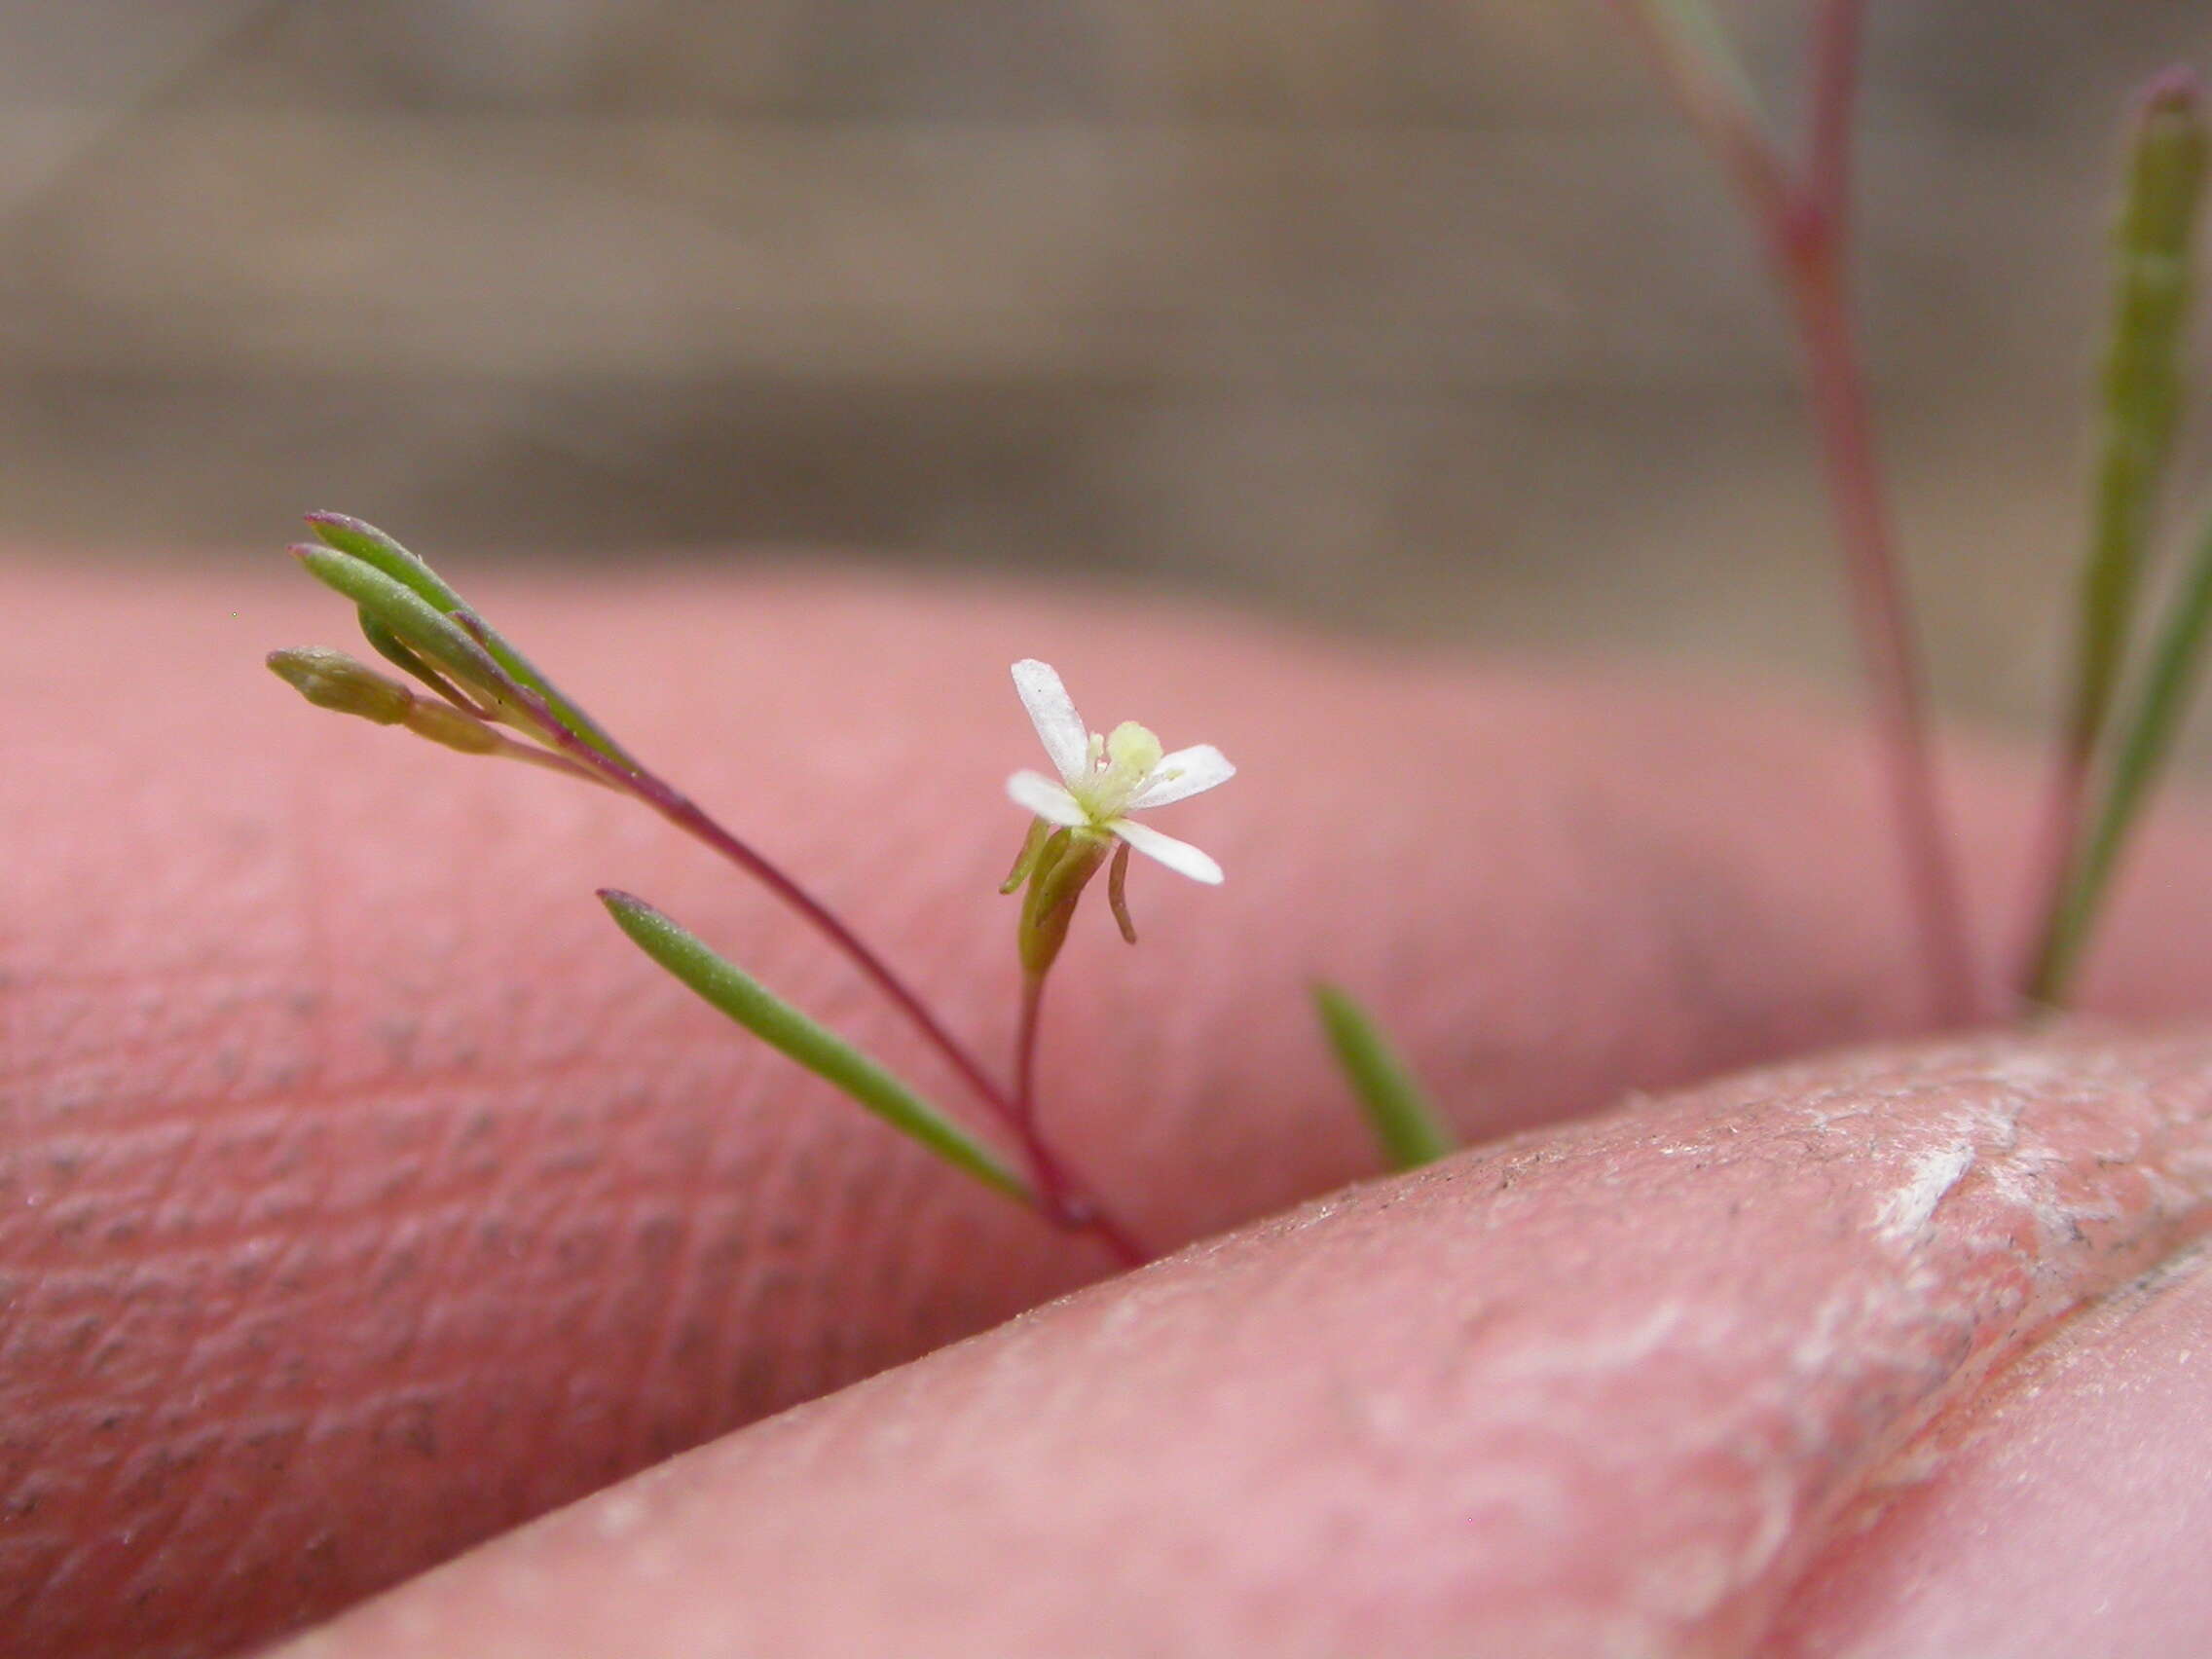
(485, 697)
(467, 687)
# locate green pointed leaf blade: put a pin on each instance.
(362, 540)
(2143, 745)
(2140, 397)
(389, 647)
(383, 552)
(2141, 384)
(733, 993)
(412, 619)
(1405, 1125)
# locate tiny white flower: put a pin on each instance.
(1104, 779)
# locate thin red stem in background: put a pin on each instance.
(1884, 617)
(1805, 225)
(1838, 33)
(1064, 1202)
(1815, 255)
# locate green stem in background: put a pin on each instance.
(1405, 1125)
(2138, 410)
(2142, 744)
(1804, 226)
(732, 991)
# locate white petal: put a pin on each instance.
(1045, 798)
(1183, 774)
(1052, 711)
(1178, 855)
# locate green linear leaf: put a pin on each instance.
(734, 992)
(2143, 745)
(412, 619)
(2153, 243)
(393, 650)
(2141, 387)
(1405, 1124)
(372, 546)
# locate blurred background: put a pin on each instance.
(1417, 316)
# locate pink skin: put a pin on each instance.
(1602, 1390)
(2067, 1511)
(361, 1193)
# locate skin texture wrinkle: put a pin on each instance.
(362, 1195)
(2066, 1511)
(1596, 1390)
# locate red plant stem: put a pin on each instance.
(1059, 1197)
(1806, 229)
(1811, 248)
(1837, 33)
(1054, 1191)
(1813, 271)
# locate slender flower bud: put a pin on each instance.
(332, 680)
(441, 723)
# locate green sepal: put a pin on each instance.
(1065, 867)
(728, 989)
(1118, 893)
(1025, 860)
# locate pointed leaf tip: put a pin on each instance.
(736, 994)
(1399, 1115)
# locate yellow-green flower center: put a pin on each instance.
(1129, 755)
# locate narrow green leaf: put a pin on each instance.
(1404, 1122)
(2141, 387)
(729, 988)
(389, 647)
(2143, 745)
(374, 547)
(2139, 404)
(417, 624)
